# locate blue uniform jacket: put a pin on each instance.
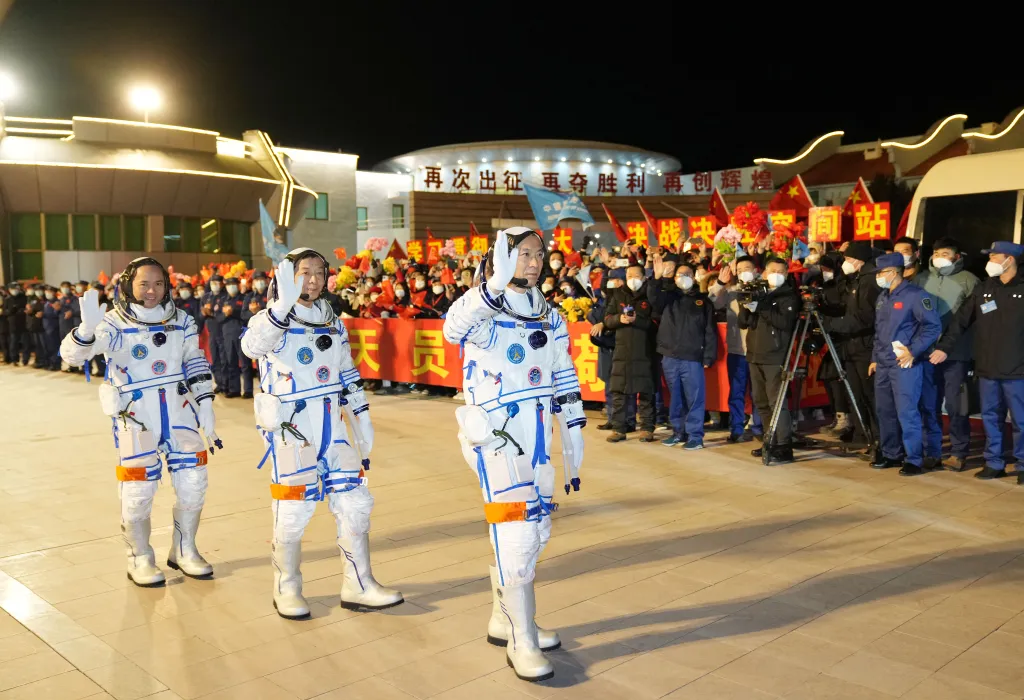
(908, 315)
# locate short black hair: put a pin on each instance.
(775, 259)
(906, 239)
(947, 243)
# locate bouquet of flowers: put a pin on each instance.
(341, 254)
(376, 244)
(448, 249)
(782, 238)
(346, 277)
(575, 310)
(749, 219)
(390, 266)
(726, 241)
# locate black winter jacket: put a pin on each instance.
(687, 329)
(633, 361)
(770, 326)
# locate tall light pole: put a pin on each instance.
(145, 99)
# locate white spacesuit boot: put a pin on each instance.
(498, 626)
(142, 568)
(288, 600)
(183, 555)
(360, 589)
(522, 652)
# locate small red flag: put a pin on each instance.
(620, 232)
(718, 209)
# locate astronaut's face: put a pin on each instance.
(531, 260)
(313, 270)
(148, 286)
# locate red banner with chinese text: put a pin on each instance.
(703, 226)
(415, 352)
(871, 221)
(824, 225)
(637, 231)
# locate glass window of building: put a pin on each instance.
(191, 235)
(210, 236)
(362, 223)
(397, 216)
(83, 229)
(134, 233)
(240, 234)
(110, 233)
(58, 232)
(172, 234)
(318, 209)
(27, 239)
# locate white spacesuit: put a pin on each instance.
(518, 380)
(307, 382)
(158, 392)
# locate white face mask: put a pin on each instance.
(994, 269)
(185, 293)
(232, 289)
(684, 282)
(634, 283)
(941, 263)
(812, 259)
(398, 293)
(848, 268)
(776, 280)
(556, 264)
(80, 289)
(420, 284)
(907, 260)
(746, 277)
(567, 291)
(214, 287)
(547, 287)
(50, 296)
(701, 275)
(883, 281)
(260, 286)
(437, 288)
(614, 284)
(827, 275)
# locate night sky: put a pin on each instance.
(379, 79)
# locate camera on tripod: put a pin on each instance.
(812, 298)
(752, 291)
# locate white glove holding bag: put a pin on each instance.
(92, 313)
(289, 289)
(505, 261)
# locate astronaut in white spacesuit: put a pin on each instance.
(518, 380)
(158, 392)
(308, 381)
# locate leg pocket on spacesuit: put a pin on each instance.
(507, 478)
(137, 455)
(296, 476)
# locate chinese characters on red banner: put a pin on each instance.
(460, 245)
(479, 244)
(563, 239)
(871, 221)
(415, 250)
(703, 226)
(782, 217)
(637, 231)
(669, 231)
(824, 225)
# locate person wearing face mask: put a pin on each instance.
(723, 292)
(687, 341)
(906, 327)
(237, 368)
(951, 285)
(629, 315)
(907, 247)
(14, 312)
(435, 302)
(770, 322)
(604, 339)
(256, 299)
(556, 261)
(854, 333)
(549, 288)
(34, 327)
(160, 402)
(210, 305)
(51, 329)
(188, 303)
(830, 280)
(995, 313)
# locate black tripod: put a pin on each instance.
(792, 370)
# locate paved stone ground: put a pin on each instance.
(683, 575)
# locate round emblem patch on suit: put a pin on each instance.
(323, 374)
(159, 339)
(324, 342)
(516, 353)
(159, 367)
(538, 339)
(139, 352)
(304, 355)
(534, 376)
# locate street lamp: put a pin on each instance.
(8, 88)
(145, 99)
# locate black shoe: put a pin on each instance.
(247, 395)
(605, 426)
(930, 464)
(990, 473)
(782, 455)
(218, 390)
(757, 452)
(733, 438)
(885, 463)
(230, 395)
(912, 470)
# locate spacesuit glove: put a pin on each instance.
(92, 313)
(576, 437)
(208, 423)
(365, 438)
(288, 289)
(505, 261)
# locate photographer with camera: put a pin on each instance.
(724, 293)
(769, 315)
(858, 293)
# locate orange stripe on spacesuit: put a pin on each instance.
(131, 473)
(281, 492)
(504, 512)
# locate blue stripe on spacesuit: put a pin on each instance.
(538, 444)
(529, 325)
(311, 393)
(497, 555)
(521, 395)
(165, 420)
(185, 427)
(314, 331)
(576, 422)
(364, 407)
(151, 329)
(325, 436)
(513, 487)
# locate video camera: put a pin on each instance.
(752, 291)
(811, 297)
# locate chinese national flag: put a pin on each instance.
(793, 195)
(718, 209)
(620, 232)
(651, 222)
(395, 251)
(447, 276)
(860, 195)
